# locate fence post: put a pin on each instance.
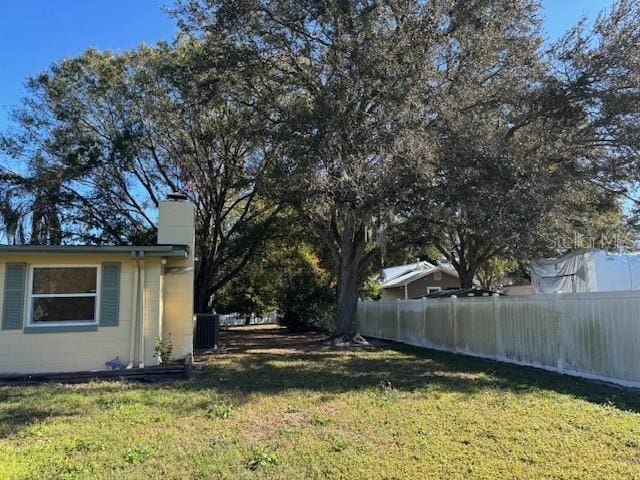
(454, 322)
(424, 322)
(363, 318)
(216, 330)
(497, 321)
(397, 319)
(562, 345)
(379, 322)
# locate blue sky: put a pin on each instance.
(36, 33)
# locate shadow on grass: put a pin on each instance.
(16, 419)
(404, 368)
(314, 366)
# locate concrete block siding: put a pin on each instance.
(168, 306)
(69, 351)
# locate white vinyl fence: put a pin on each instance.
(237, 319)
(592, 335)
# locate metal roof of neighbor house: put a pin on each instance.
(417, 274)
(390, 273)
(148, 250)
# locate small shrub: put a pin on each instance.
(163, 349)
(31, 431)
(307, 302)
(85, 445)
(137, 455)
(339, 444)
(220, 410)
(320, 420)
(263, 457)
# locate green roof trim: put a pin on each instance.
(148, 250)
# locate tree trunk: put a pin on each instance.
(202, 300)
(351, 256)
(346, 323)
(466, 279)
(466, 269)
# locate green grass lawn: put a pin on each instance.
(387, 413)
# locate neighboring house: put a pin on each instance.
(589, 270)
(416, 280)
(73, 308)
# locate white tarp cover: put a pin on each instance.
(586, 271)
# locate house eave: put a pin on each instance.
(137, 250)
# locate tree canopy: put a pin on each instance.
(104, 137)
(343, 87)
(372, 125)
(521, 145)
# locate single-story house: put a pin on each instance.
(416, 280)
(75, 307)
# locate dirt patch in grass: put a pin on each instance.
(271, 339)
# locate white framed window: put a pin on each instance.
(63, 295)
(433, 289)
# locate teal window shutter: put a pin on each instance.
(13, 303)
(110, 294)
